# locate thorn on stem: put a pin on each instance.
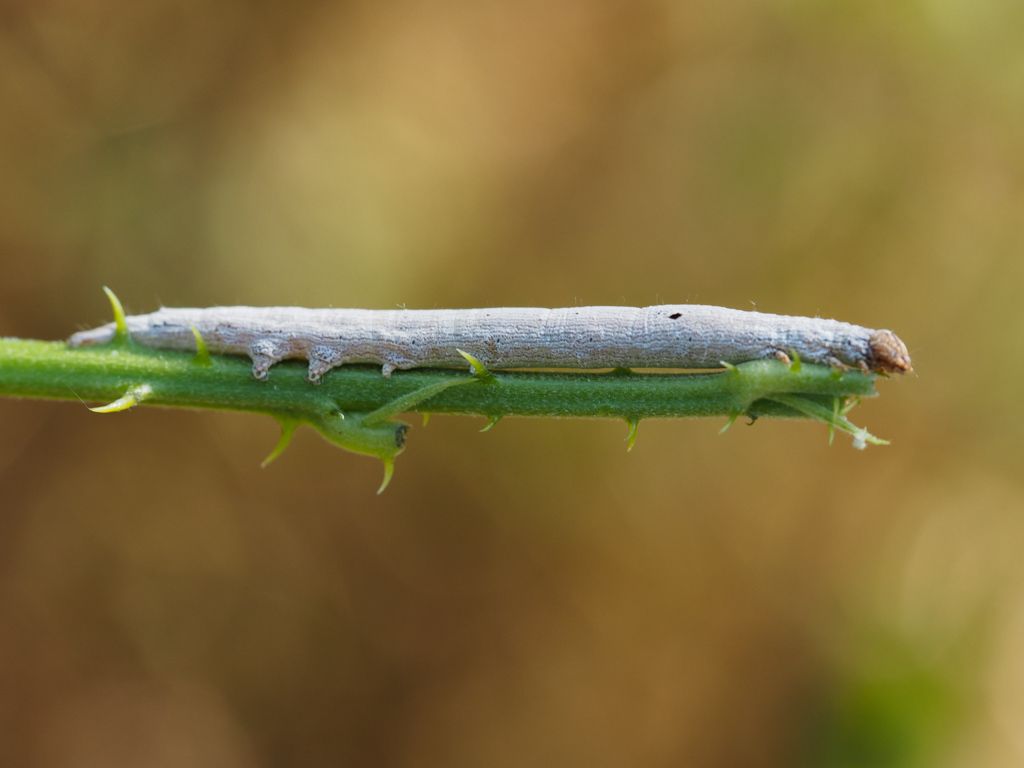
(389, 471)
(120, 321)
(202, 351)
(477, 368)
(730, 421)
(634, 428)
(129, 399)
(288, 427)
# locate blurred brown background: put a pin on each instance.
(532, 596)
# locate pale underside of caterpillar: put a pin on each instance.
(668, 336)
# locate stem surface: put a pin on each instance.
(48, 369)
(354, 406)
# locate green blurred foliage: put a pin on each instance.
(533, 595)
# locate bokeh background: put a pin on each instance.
(532, 596)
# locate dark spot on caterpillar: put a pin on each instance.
(675, 315)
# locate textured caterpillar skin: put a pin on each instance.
(667, 336)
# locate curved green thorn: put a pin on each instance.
(426, 418)
(120, 322)
(729, 367)
(490, 423)
(477, 368)
(409, 401)
(795, 364)
(861, 437)
(634, 428)
(730, 421)
(832, 425)
(288, 427)
(382, 441)
(389, 472)
(129, 399)
(202, 351)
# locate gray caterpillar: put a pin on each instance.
(667, 336)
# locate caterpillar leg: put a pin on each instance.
(836, 364)
(391, 362)
(322, 359)
(264, 353)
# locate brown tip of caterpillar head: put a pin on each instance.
(888, 353)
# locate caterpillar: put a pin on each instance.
(664, 336)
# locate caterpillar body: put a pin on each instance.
(665, 336)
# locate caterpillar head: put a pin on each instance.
(888, 353)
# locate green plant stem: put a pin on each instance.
(41, 369)
(130, 375)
